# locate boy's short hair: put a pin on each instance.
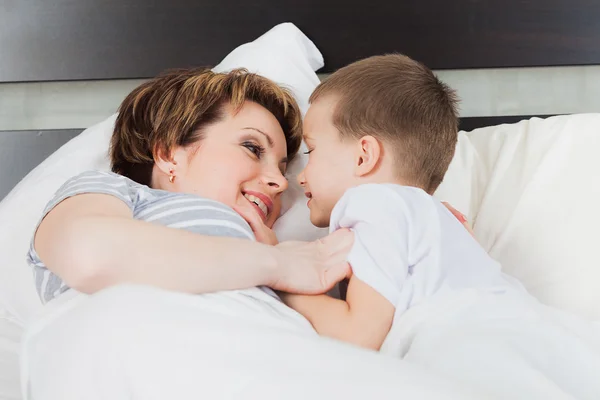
(401, 102)
(174, 108)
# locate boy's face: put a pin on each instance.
(330, 169)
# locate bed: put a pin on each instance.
(466, 42)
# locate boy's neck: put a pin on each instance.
(381, 176)
(386, 178)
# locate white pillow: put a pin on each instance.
(532, 192)
(465, 179)
(283, 54)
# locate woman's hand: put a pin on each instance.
(262, 232)
(313, 267)
(460, 216)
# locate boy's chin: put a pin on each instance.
(319, 221)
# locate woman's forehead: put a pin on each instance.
(253, 112)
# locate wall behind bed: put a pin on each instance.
(483, 92)
(37, 118)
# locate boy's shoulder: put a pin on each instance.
(381, 193)
(389, 207)
(378, 203)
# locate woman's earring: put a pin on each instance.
(171, 176)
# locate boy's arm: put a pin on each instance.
(364, 319)
(379, 217)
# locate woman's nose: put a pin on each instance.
(277, 181)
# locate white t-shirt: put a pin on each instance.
(408, 246)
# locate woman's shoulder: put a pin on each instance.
(101, 176)
(98, 179)
(96, 182)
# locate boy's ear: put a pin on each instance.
(368, 155)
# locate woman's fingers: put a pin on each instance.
(460, 216)
(314, 267)
(263, 233)
(335, 274)
(335, 248)
(340, 241)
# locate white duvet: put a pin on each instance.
(138, 342)
(504, 343)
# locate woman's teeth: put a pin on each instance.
(258, 202)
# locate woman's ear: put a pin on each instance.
(172, 164)
(368, 155)
(164, 162)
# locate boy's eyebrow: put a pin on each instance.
(269, 140)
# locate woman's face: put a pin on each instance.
(241, 162)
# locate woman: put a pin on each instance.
(223, 137)
(192, 150)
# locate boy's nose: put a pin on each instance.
(300, 178)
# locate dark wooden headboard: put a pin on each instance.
(47, 40)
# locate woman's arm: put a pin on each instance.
(91, 241)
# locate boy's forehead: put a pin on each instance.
(324, 105)
(320, 112)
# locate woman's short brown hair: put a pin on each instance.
(402, 103)
(172, 110)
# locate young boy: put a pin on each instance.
(381, 134)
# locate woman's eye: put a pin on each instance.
(309, 151)
(255, 149)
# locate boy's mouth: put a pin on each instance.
(309, 196)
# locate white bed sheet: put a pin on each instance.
(10, 336)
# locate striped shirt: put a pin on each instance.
(174, 210)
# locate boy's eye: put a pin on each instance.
(257, 150)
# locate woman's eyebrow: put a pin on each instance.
(284, 160)
(269, 140)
